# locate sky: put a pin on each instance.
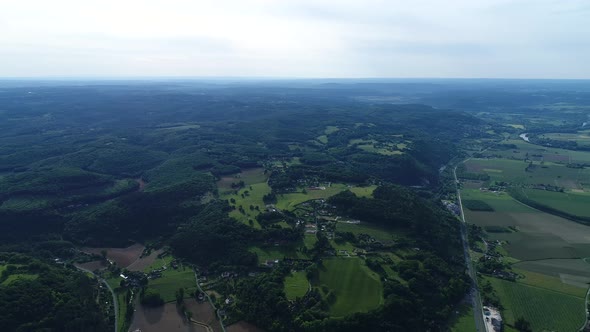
(295, 38)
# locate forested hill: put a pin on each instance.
(243, 181)
(66, 147)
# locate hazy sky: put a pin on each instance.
(296, 38)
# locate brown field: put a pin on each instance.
(242, 326)
(164, 318)
(142, 263)
(169, 318)
(122, 256)
(93, 266)
(203, 313)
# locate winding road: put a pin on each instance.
(115, 304)
(480, 325)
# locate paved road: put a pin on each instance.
(115, 303)
(480, 325)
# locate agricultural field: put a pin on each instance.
(515, 171)
(582, 138)
(546, 310)
(355, 286)
(571, 202)
(547, 281)
(537, 153)
(123, 257)
(574, 272)
(296, 285)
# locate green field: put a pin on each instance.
(289, 201)
(114, 282)
(172, 280)
(376, 231)
(582, 138)
(513, 171)
(499, 201)
(19, 276)
(550, 282)
(573, 203)
(256, 187)
(296, 285)
(546, 310)
(273, 253)
(357, 288)
(463, 321)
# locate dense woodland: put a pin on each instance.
(111, 163)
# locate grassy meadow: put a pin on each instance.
(357, 289)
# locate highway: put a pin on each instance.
(480, 325)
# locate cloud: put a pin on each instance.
(299, 38)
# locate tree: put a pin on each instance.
(179, 295)
(103, 253)
(523, 325)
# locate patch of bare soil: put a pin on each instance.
(165, 318)
(122, 256)
(203, 313)
(93, 266)
(243, 326)
(141, 263)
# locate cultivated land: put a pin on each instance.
(548, 253)
(123, 257)
(357, 289)
(546, 310)
(573, 203)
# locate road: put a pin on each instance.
(115, 303)
(210, 302)
(480, 325)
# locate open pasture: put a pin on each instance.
(546, 310)
(276, 252)
(290, 200)
(255, 188)
(376, 231)
(296, 285)
(355, 286)
(172, 280)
